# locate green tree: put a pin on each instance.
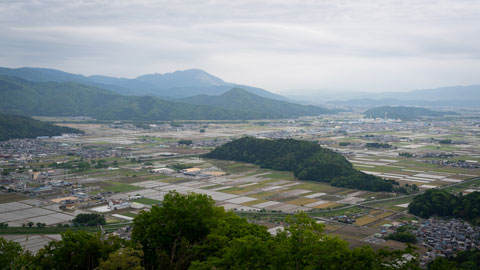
(170, 233)
(77, 250)
(90, 219)
(9, 251)
(123, 259)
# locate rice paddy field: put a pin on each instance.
(262, 195)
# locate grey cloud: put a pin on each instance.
(315, 44)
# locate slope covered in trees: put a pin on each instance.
(403, 112)
(190, 232)
(15, 126)
(307, 160)
(242, 100)
(436, 202)
(74, 99)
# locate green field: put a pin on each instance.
(147, 201)
(119, 187)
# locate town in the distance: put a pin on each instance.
(185, 171)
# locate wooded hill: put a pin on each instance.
(17, 127)
(307, 160)
(242, 100)
(74, 99)
(436, 202)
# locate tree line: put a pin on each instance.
(437, 202)
(307, 160)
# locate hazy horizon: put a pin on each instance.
(348, 46)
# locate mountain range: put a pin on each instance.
(178, 84)
(19, 96)
(453, 96)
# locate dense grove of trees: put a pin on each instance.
(15, 126)
(403, 235)
(378, 145)
(436, 202)
(190, 232)
(89, 219)
(307, 160)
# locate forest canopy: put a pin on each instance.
(436, 202)
(307, 160)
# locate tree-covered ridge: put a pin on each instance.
(242, 100)
(17, 127)
(74, 99)
(403, 112)
(190, 232)
(307, 160)
(436, 202)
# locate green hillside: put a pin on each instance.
(73, 99)
(14, 126)
(242, 100)
(403, 112)
(307, 160)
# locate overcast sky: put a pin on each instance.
(277, 45)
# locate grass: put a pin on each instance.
(302, 201)
(120, 187)
(147, 201)
(279, 175)
(365, 220)
(11, 197)
(129, 214)
(334, 213)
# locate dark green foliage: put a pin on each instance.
(73, 165)
(403, 112)
(75, 99)
(405, 154)
(15, 126)
(344, 144)
(89, 219)
(169, 233)
(307, 160)
(186, 142)
(403, 235)
(179, 166)
(445, 141)
(241, 100)
(465, 260)
(9, 253)
(437, 202)
(77, 250)
(378, 145)
(362, 181)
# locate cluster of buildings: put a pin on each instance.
(457, 163)
(446, 237)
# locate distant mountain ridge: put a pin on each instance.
(18, 96)
(459, 96)
(178, 84)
